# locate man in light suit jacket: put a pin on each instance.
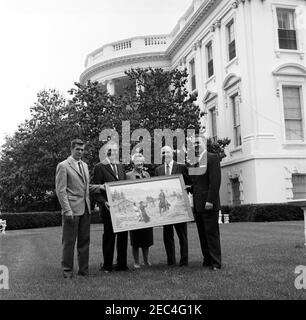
(107, 171)
(206, 181)
(72, 189)
(171, 167)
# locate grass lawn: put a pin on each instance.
(259, 260)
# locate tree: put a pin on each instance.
(161, 102)
(29, 158)
(91, 110)
(218, 146)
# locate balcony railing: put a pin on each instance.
(122, 45)
(154, 41)
(136, 45)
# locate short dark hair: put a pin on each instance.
(76, 142)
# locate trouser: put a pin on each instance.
(209, 234)
(76, 230)
(168, 235)
(108, 246)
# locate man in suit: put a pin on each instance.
(167, 168)
(72, 189)
(206, 180)
(106, 171)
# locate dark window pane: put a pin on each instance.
(293, 113)
(235, 192)
(287, 39)
(232, 50)
(193, 83)
(210, 68)
(299, 186)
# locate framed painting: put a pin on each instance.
(143, 203)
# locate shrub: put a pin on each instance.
(263, 212)
(242, 213)
(29, 220)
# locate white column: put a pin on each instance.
(138, 88)
(199, 70)
(110, 86)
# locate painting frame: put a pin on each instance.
(128, 212)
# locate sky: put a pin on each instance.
(44, 43)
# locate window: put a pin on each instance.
(213, 122)
(236, 120)
(235, 192)
(231, 40)
(299, 186)
(192, 75)
(293, 113)
(210, 61)
(286, 29)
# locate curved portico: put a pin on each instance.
(109, 63)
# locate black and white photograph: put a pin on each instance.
(153, 155)
(149, 202)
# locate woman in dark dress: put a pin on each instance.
(142, 238)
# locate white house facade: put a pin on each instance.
(246, 59)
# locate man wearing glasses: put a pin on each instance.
(170, 167)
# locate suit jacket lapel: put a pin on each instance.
(120, 172)
(174, 168)
(75, 169)
(110, 169)
(162, 171)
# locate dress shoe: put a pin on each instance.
(206, 264)
(120, 268)
(171, 264)
(67, 274)
(214, 268)
(183, 264)
(105, 270)
(83, 273)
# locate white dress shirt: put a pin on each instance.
(170, 166)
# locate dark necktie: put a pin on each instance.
(80, 169)
(167, 170)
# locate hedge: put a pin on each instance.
(29, 220)
(263, 212)
(242, 213)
